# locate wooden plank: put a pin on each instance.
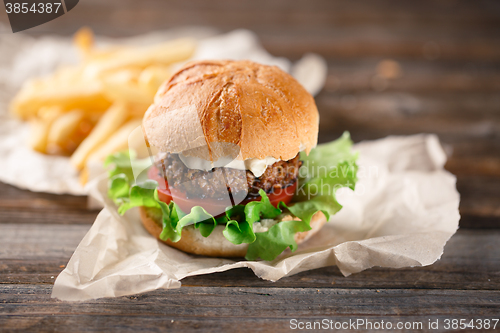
(470, 261)
(26, 214)
(400, 115)
(478, 152)
(21, 206)
(31, 271)
(249, 301)
(377, 28)
(209, 308)
(173, 323)
(254, 302)
(34, 254)
(371, 42)
(39, 241)
(431, 77)
(480, 195)
(455, 116)
(297, 13)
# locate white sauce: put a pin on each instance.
(263, 225)
(259, 166)
(256, 166)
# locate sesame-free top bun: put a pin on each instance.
(216, 245)
(259, 108)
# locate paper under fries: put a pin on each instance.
(111, 88)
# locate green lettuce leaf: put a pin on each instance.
(123, 163)
(197, 216)
(255, 210)
(118, 188)
(328, 155)
(238, 232)
(168, 231)
(327, 168)
(268, 245)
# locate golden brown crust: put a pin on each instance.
(262, 109)
(216, 245)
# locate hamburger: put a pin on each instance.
(229, 140)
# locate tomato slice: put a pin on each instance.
(277, 195)
(214, 207)
(153, 174)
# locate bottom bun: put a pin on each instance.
(216, 245)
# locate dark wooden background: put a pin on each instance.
(449, 56)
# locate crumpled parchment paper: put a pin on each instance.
(23, 57)
(403, 211)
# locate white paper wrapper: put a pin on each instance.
(402, 213)
(25, 57)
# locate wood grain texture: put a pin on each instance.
(448, 54)
(234, 309)
(34, 254)
(20, 206)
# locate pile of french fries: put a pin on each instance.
(87, 111)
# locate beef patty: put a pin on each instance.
(211, 184)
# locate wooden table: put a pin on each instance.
(448, 55)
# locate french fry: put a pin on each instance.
(64, 126)
(123, 86)
(40, 128)
(84, 40)
(153, 76)
(68, 131)
(114, 117)
(129, 92)
(127, 74)
(165, 53)
(118, 141)
(99, 55)
(84, 176)
(66, 95)
(63, 76)
(106, 89)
